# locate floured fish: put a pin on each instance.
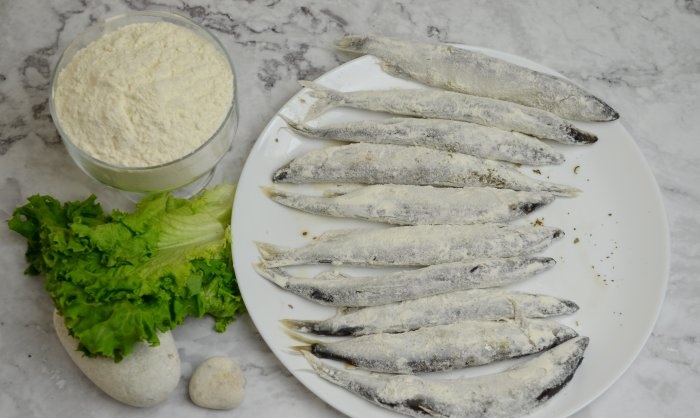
(421, 245)
(438, 104)
(443, 347)
(337, 289)
(475, 304)
(397, 164)
(476, 73)
(417, 205)
(513, 392)
(446, 135)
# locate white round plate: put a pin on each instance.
(613, 261)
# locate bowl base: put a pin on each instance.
(184, 192)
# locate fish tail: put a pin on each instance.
(326, 99)
(393, 70)
(275, 275)
(309, 342)
(276, 194)
(298, 127)
(272, 255)
(316, 364)
(363, 44)
(354, 43)
(311, 204)
(269, 191)
(300, 348)
(299, 324)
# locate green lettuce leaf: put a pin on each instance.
(119, 278)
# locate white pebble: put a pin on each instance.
(218, 383)
(144, 378)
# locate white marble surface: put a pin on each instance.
(643, 57)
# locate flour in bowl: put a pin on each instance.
(144, 95)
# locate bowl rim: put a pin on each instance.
(148, 13)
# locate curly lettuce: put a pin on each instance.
(119, 278)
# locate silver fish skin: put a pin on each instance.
(337, 289)
(446, 135)
(476, 73)
(475, 304)
(418, 205)
(514, 392)
(443, 347)
(397, 164)
(439, 104)
(421, 245)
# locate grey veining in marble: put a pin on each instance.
(642, 56)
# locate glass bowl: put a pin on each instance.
(184, 176)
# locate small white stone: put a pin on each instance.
(218, 383)
(144, 378)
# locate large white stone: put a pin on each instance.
(218, 383)
(144, 378)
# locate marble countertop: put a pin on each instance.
(643, 57)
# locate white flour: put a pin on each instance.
(144, 95)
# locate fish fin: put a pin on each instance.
(517, 313)
(331, 275)
(393, 70)
(341, 189)
(270, 253)
(275, 275)
(326, 99)
(561, 190)
(344, 310)
(334, 234)
(298, 324)
(429, 411)
(353, 43)
(556, 158)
